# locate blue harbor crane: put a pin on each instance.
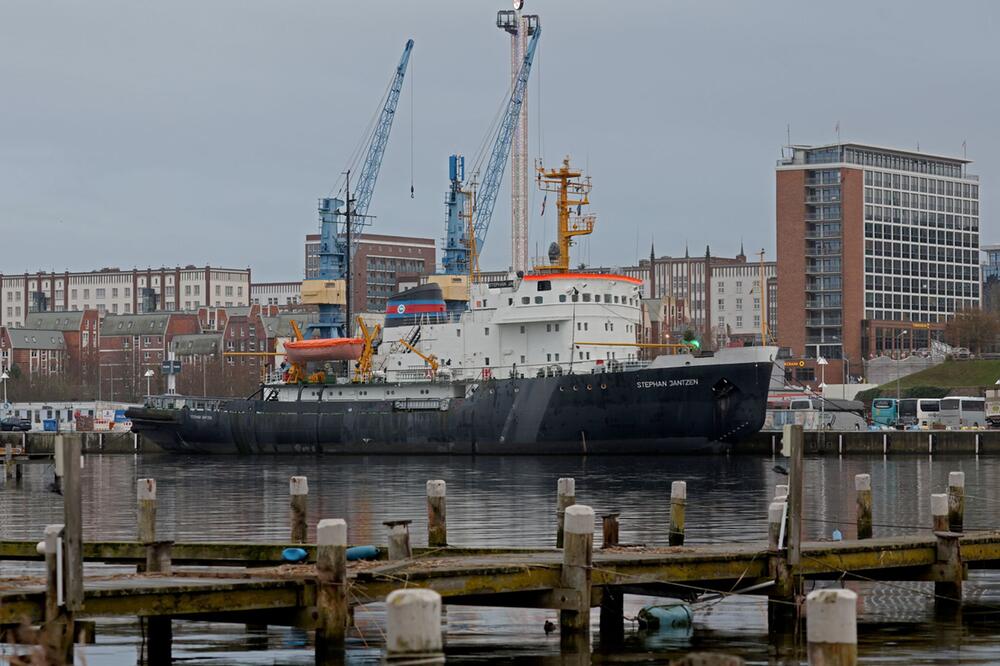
(470, 207)
(341, 220)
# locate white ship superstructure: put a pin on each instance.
(534, 325)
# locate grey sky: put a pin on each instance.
(136, 134)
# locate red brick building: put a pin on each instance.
(133, 344)
(33, 353)
(877, 249)
(377, 262)
(80, 331)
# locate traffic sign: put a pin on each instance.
(170, 367)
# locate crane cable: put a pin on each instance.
(411, 127)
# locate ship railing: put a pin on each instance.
(182, 401)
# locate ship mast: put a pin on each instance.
(572, 193)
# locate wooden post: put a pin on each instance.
(145, 493)
(399, 539)
(863, 488)
(793, 437)
(413, 627)
(578, 549)
(565, 498)
(775, 515)
(8, 461)
(831, 627)
(331, 592)
(57, 635)
(73, 516)
(956, 501)
(678, 500)
(609, 528)
(939, 512)
(949, 570)
(159, 627)
(612, 619)
(298, 496)
(437, 523)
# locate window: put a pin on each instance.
(548, 357)
(586, 298)
(522, 358)
(739, 303)
(525, 300)
(557, 328)
(557, 356)
(522, 330)
(538, 299)
(548, 328)
(486, 331)
(722, 304)
(544, 285)
(114, 292)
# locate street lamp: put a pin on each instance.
(4, 377)
(822, 363)
(148, 375)
(899, 356)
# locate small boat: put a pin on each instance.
(324, 349)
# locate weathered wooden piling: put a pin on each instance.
(331, 588)
(145, 493)
(863, 488)
(298, 499)
(57, 635)
(8, 461)
(609, 530)
(437, 521)
(413, 627)
(565, 498)
(399, 539)
(578, 550)
(678, 502)
(956, 501)
(775, 517)
(949, 570)
(831, 627)
(160, 628)
(939, 512)
(73, 519)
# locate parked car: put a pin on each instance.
(13, 424)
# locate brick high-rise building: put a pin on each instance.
(877, 248)
(378, 261)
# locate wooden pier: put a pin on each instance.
(253, 584)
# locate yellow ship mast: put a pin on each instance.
(573, 193)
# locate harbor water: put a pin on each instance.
(510, 501)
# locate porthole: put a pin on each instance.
(576, 388)
(588, 387)
(604, 386)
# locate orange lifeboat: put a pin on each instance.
(324, 349)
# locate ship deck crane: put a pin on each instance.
(470, 207)
(341, 221)
(430, 359)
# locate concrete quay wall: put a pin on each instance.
(941, 442)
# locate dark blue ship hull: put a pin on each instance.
(655, 410)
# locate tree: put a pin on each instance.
(972, 328)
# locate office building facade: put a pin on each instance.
(877, 248)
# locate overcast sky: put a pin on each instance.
(148, 134)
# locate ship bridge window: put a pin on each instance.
(576, 297)
(562, 298)
(607, 298)
(616, 299)
(544, 285)
(586, 298)
(538, 299)
(525, 300)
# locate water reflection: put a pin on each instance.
(511, 501)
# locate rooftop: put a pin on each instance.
(31, 338)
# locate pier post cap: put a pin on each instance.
(939, 504)
(437, 488)
(679, 490)
(566, 486)
(781, 499)
(413, 622)
(862, 482)
(145, 489)
(298, 485)
(331, 532)
(775, 512)
(781, 490)
(579, 520)
(832, 616)
(956, 479)
(54, 530)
